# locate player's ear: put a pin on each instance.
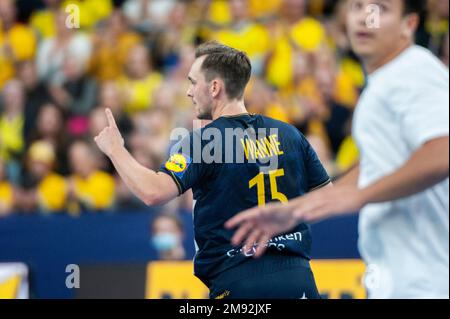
(410, 25)
(216, 87)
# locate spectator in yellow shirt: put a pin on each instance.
(17, 41)
(245, 35)
(111, 44)
(6, 193)
(264, 10)
(91, 189)
(12, 120)
(262, 99)
(90, 11)
(293, 31)
(43, 190)
(42, 21)
(51, 127)
(140, 81)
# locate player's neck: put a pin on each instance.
(232, 108)
(373, 65)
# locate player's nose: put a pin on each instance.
(189, 93)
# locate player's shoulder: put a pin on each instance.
(422, 62)
(417, 64)
(284, 127)
(415, 70)
(255, 121)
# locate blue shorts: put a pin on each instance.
(270, 277)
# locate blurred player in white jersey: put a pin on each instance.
(400, 186)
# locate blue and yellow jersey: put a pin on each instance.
(256, 160)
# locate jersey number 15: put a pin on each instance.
(258, 180)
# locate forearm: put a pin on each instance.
(142, 181)
(427, 167)
(350, 178)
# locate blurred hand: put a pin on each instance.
(260, 224)
(109, 138)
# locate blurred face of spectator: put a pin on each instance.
(199, 91)
(41, 157)
(49, 121)
(238, 9)
(164, 97)
(52, 3)
(13, 97)
(444, 8)
(143, 158)
(177, 16)
(166, 234)
(28, 74)
(60, 21)
(439, 8)
(110, 97)
(83, 159)
(187, 58)
(138, 141)
(138, 62)
(7, 12)
(72, 68)
(39, 169)
(260, 97)
(394, 32)
(321, 148)
(157, 121)
(293, 10)
(301, 65)
(325, 73)
(116, 22)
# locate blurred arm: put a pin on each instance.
(350, 178)
(428, 166)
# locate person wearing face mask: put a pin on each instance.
(167, 235)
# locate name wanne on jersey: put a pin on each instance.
(233, 146)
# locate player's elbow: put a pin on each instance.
(442, 170)
(438, 158)
(437, 171)
(152, 198)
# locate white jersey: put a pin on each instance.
(405, 243)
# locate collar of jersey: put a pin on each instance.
(237, 115)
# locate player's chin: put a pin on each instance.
(202, 115)
(198, 114)
(364, 50)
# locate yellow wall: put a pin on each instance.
(335, 278)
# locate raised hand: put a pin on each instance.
(109, 138)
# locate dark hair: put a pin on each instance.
(414, 6)
(231, 65)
